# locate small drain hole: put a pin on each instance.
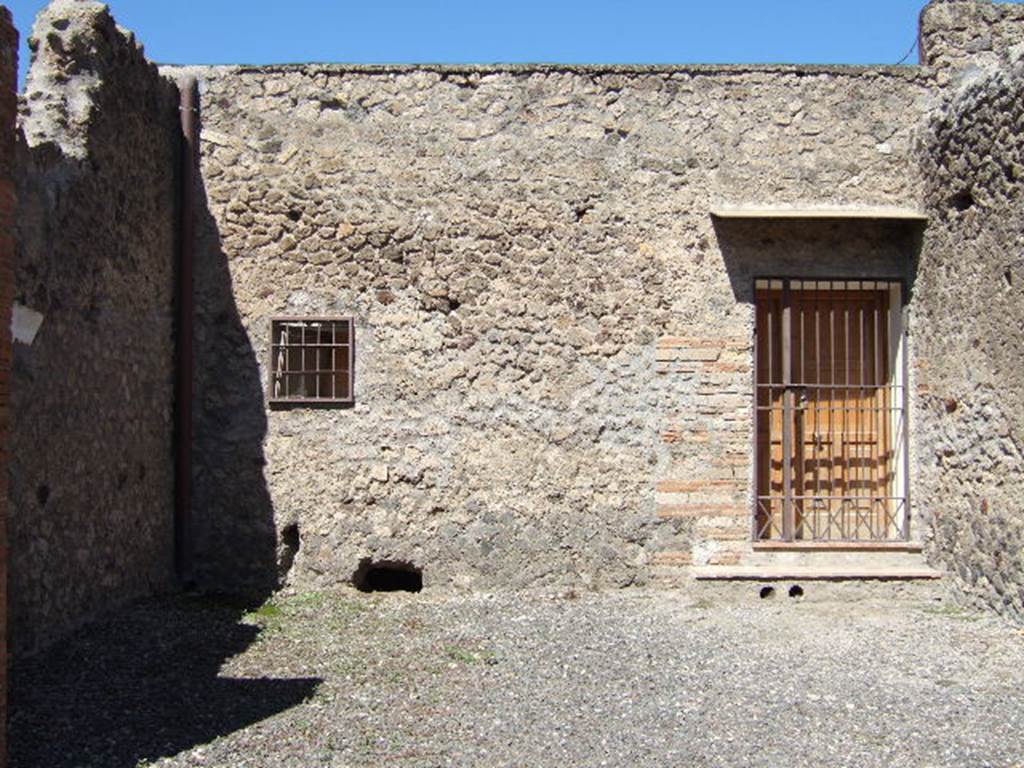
(387, 576)
(796, 591)
(766, 593)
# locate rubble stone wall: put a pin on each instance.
(964, 34)
(8, 112)
(970, 328)
(554, 332)
(554, 338)
(91, 494)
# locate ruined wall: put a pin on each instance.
(8, 112)
(971, 333)
(962, 34)
(554, 335)
(553, 358)
(91, 476)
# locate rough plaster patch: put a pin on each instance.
(25, 323)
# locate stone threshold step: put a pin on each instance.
(808, 573)
(836, 546)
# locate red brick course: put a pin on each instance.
(711, 490)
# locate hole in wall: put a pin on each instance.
(796, 591)
(43, 494)
(290, 536)
(580, 210)
(387, 576)
(766, 593)
(1008, 277)
(962, 200)
(291, 541)
(294, 214)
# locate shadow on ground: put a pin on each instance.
(140, 685)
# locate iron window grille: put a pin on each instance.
(312, 360)
(831, 404)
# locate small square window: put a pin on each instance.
(312, 360)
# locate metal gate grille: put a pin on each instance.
(831, 412)
(311, 360)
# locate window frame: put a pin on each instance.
(306, 400)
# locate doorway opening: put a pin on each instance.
(831, 404)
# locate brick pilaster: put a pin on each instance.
(707, 480)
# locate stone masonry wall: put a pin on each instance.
(964, 34)
(553, 364)
(554, 333)
(8, 112)
(92, 473)
(971, 332)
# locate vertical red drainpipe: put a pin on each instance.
(189, 107)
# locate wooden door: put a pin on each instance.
(825, 412)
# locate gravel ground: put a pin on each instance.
(632, 678)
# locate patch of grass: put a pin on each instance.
(265, 615)
(951, 611)
(268, 611)
(346, 606)
(462, 655)
(347, 665)
(703, 604)
(309, 599)
(391, 676)
(308, 605)
(340, 614)
(468, 656)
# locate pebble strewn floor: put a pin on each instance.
(633, 678)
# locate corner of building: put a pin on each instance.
(8, 112)
(92, 481)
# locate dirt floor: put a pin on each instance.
(630, 678)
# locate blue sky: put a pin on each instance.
(599, 31)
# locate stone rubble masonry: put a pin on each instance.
(970, 330)
(92, 474)
(554, 336)
(8, 113)
(969, 34)
(548, 321)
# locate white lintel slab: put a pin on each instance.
(817, 212)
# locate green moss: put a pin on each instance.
(951, 611)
